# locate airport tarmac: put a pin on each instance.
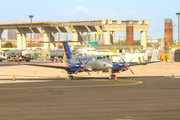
(129, 98)
(39, 95)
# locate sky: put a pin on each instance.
(70, 10)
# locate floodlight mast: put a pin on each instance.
(178, 25)
(31, 16)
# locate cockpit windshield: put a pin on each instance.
(99, 57)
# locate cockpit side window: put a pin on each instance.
(104, 57)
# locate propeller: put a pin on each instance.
(127, 65)
(82, 66)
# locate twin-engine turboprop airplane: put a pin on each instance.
(80, 63)
(90, 63)
(116, 67)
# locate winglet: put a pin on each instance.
(18, 61)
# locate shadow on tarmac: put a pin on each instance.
(83, 78)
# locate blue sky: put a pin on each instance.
(70, 10)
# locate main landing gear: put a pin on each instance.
(70, 77)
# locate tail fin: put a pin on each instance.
(67, 51)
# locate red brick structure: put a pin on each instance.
(168, 33)
(129, 33)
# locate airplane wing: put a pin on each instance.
(143, 63)
(51, 66)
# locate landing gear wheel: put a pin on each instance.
(52, 59)
(70, 77)
(111, 77)
(8, 60)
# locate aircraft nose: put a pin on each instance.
(108, 65)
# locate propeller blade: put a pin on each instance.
(131, 70)
(86, 62)
(122, 59)
(79, 60)
(130, 61)
(89, 74)
(121, 70)
(77, 71)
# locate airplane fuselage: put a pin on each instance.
(93, 62)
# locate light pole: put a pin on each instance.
(174, 36)
(178, 25)
(31, 16)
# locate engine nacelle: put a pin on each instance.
(75, 67)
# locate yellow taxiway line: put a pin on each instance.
(133, 82)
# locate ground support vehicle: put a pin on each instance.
(22, 55)
(56, 55)
(2, 56)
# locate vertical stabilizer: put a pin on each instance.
(67, 50)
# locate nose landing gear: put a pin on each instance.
(111, 77)
(70, 77)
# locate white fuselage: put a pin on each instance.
(92, 63)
